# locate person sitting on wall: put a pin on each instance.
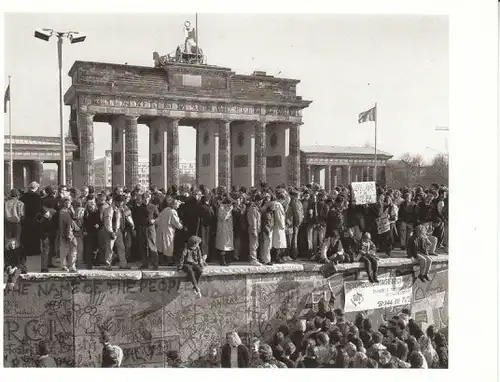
(14, 262)
(367, 256)
(234, 354)
(44, 359)
(350, 244)
(192, 262)
(418, 249)
(332, 250)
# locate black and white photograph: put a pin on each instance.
(198, 189)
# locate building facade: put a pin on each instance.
(104, 171)
(334, 165)
(247, 126)
(29, 153)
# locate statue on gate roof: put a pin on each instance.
(189, 52)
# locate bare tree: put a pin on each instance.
(437, 172)
(414, 165)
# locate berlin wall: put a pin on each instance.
(150, 313)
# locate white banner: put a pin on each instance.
(389, 291)
(364, 192)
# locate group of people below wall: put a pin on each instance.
(323, 340)
(191, 227)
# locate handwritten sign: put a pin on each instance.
(389, 291)
(364, 193)
(383, 224)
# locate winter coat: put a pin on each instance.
(279, 234)
(167, 223)
(224, 236)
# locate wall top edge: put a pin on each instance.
(211, 271)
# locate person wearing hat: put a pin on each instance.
(206, 219)
(192, 262)
(294, 219)
(224, 236)
(67, 240)
(13, 215)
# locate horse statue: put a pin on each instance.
(187, 53)
(189, 56)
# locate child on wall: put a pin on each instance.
(192, 262)
(367, 255)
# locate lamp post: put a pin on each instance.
(74, 38)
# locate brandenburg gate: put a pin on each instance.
(247, 126)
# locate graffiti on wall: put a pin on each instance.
(149, 317)
(36, 312)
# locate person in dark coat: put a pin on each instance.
(32, 207)
(234, 354)
(206, 216)
(44, 359)
(50, 202)
(146, 215)
(91, 225)
(45, 231)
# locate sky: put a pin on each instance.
(345, 64)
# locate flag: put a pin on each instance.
(369, 115)
(6, 98)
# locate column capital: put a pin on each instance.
(130, 117)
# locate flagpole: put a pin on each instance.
(375, 168)
(11, 159)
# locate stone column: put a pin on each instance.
(368, 174)
(294, 156)
(36, 171)
(225, 154)
(173, 152)
(328, 178)
(197, 157)
(131, 152)
(158, 148)
(69, 173)
(317, 174)
(6, 176)
(86, 128)
(348, 175)
(260, 153)
(309, 174)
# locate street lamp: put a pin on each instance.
(74, 37)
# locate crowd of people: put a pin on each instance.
(328, 340)
(192, 227)
(325, 340)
